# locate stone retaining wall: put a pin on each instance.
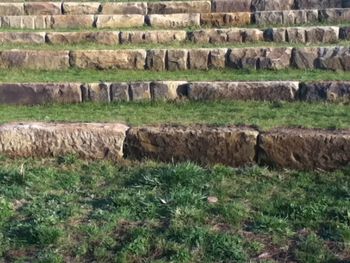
(207, 145)
(299, 35)
(40, 93)
(177, 20)
(275, 58)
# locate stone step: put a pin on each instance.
(270, 58)
(229, 145)
(44, 93)
(294, 35)
(164, 7)
(180, 20)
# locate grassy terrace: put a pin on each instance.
(87, 75)
(68, 210)
(261, 114)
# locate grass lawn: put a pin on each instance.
(67, 210)
(264, 115)
(89, 75)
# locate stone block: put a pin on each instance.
(81, 8)
(177, 59)
(198, 59)
(120, 92)
(225, 19)
(101, 37)
(121, 8)
(42, 8)
(173, 20)
(140, 91)
(168, 90)
(220, 6)
(332, 91)
(22, 38)
(11, 9)
(155, 59)
(179, 7)
(119, 21)
(97, 92)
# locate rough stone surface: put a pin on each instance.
(334, 58)
(81, 8)
(296, 35)
(113, 8)
(317, 4)
(119, 21)
(34, 59)
(337, 91)
(22, 38)
(305, 58)
(168, 90)
(11, 9)
(344, 33)
(235, 146)
(337, 15)
(268, 5)
(198, 58)
(269, 91)
(97, 92)
(108, 59)
(217, 58)
(32, 94)
(155, 59)
(173, 20)
(156, 36)
(322, 34)
(225, 19)
(87, 140)
(231, 6)
(305, 149)
(120, 92)
(177, 59)
(140, 91)
(105, 38)
(286, 17)
(70, 21)
(179, 7)
(41, 8)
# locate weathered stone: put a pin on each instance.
(34, 59)
(120, 92)
(177, 59)
(305, 58)
(179, 7)
(291, 17)
(115, 8)
(344, 33)
(156, 36)
(334, 58)
(41, 8)
(275, 35)
(70, 21)
(335, 15)
(336, 91)
(11, 9)
(204, 36)
(217, 58)
(268, 5)
(252, 35)
(268, 18)
(317, 4)
(81, 8)
(11, 22)
(231, 6)
(276, 58)
(168, 90)
(22, 38)
(234, 35)
(296, 35)
(155, 59)
(98, 92)
(266, 91)
(225, 19)
(119, 21)
(38, 93)
(140, 91)
(305, 149)
(198, 58)
(205, 145)
(108, 59)
(173, 20)
(105, 38)
(91, 141)
(322, 34)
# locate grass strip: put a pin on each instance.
(264, 115)
(54, 210)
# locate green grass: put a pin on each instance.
(88, 75)
(261, 114)
(174, 44)
(67, 210)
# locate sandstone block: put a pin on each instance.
(305, 58)
(22, 38)
(225, 19)
(81, 8)
(268, 5)
(101, 37)
(168, 90)
(217, 58)
(87, 140)
(120, 92)
(70, 21)
(119, 21)
(337, 91)
(11, 9)
(231, 6)
(344, 33)
(140, 91)
(156, 36)
(173, 20)
(11, 22)
(177, 59)
(108, 59)
(316, 4)
(305, 149)
(337, 15)
(198, 58)
(334, 58)
(204, 36)
(155, 59)
(115, 8)
(268, 18)
(34, 59)
(42, 8)
(296, 35)
(205, 145)
(262, 91)
(322, 34)
(40, 93)
(98, 92)
(179, 7)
